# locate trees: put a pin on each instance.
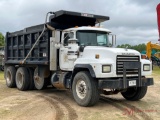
(1, 39)
(125, 46)
(140, 47)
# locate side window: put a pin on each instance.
(66, 37)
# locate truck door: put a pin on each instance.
(65, 62)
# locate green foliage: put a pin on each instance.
(1, 39)
(156, 70)
(139, 47)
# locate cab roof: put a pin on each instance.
(88, 28)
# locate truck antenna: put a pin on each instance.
(44, 28)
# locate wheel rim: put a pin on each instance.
(19, 80)
(8, 77)
(81, 89)
(38, 81)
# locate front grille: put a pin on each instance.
(121, 59)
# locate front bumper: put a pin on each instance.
(119, 83)
(125, 82)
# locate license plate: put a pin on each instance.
(132, 83)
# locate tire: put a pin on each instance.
(31, 81)
(47, 82)
(90, 96)
(2, 68)
(135, 93)
(22, 79)
(10, 76)
(154, 63)
(39, 82)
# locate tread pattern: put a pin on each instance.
(138, 94)
(12, 71)
(31, 83)
(93, 92)
(25, 74)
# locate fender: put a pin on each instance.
(85, 66)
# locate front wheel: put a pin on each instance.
(85, 89)
(135, 93)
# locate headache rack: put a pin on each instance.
(72, 19)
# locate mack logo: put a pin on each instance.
(87, 15)
(128, 54)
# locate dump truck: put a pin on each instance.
(72, 51)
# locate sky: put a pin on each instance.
(133, 21)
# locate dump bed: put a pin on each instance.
(18, 44)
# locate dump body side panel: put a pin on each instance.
(18, 44)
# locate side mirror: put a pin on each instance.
(113, 38)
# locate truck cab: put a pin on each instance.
(74, 45)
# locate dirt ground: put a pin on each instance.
(51, 104)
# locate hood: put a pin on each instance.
(90, 51)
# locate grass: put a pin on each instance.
(1, 75)
(156, 70)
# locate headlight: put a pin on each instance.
(106, 68)
(146, 67)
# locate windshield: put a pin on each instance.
(92, 38)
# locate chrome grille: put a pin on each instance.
(121, 59)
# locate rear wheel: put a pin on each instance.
(39, 82)
(135, 93)
(85, 89)
(10, 76)
(22, 79)
(31, 83)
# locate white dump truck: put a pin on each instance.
(72, 51)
